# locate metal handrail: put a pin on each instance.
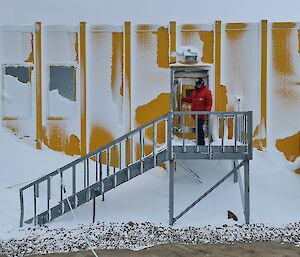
(210, 113)
(91, 154)
(242, 123)
(96, 153)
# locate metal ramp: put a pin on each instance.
(132, 155)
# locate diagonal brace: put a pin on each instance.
(193, 174)
(209, 191)
(241, 189)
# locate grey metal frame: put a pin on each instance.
(241, 150)
(206, 193)
(128, 167)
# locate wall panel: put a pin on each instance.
(17, 79)
(284, 89)
(61, 105)
(106, 112)
(241, 70)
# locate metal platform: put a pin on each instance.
(215, 152)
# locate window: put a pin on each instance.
(17, 91)
(63, 78)
(62, 91)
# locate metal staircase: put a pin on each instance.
(132, 155)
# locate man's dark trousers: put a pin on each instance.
(200, 132)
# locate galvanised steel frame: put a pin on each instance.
(240, 147)
(126, 157)
(125, 164)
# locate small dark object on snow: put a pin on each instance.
(130, 223)
(231, 215)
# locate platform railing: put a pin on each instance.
(221, 129)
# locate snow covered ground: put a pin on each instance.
(275, 193)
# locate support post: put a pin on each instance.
(100, 175)
(249, 139)
(171, 168)
(218, 97)
(84, 173)
(94, 210)
(82, 63)
(61, 191)
(263, 80)
(172, 41)
(38, 68)
(88, 179)
(171, 192)
(247, 192)
(21, 207)
(127, 72)
(34, 205)
(48, 197)
(235, 174)
(74, 180)
(97, 164)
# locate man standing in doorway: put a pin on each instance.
(201, 100)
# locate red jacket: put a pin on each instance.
(200, 98)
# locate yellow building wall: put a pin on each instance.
(150, 78)
(122, 79)
(284, 89)
(201, 37)
(106, 94)
(61, 126)
(241, 72)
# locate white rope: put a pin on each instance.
(82, 232)
(75, 218)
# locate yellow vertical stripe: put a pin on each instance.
(218, 95)
(38, 69)
(127, 71)
(172, 41)
(263, 102)
(82, 63)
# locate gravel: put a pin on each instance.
(135, 236)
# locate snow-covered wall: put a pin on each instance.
(150, 76)
(284, 89)
(61, 115)
(241, 70)
(17, 79)
(127, 79)
(106, 112)
(200, 36)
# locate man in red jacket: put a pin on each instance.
(201, 100)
